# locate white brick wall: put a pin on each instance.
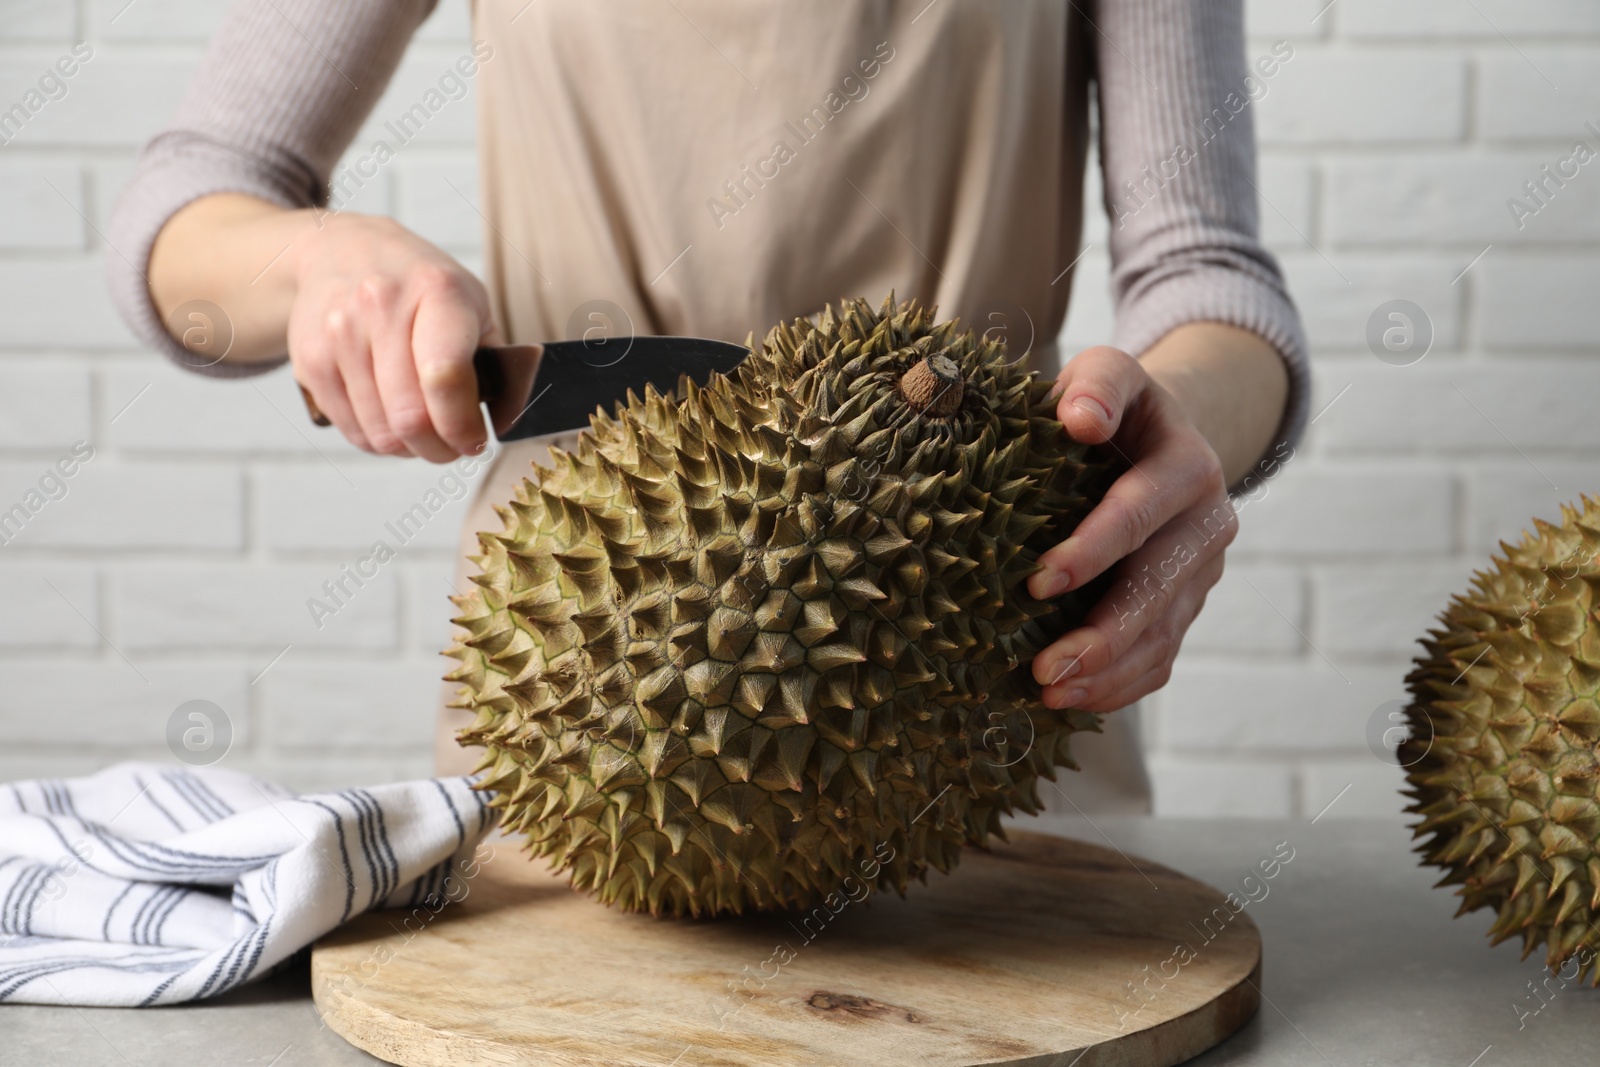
(178, 563)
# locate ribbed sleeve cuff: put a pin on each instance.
(189, 167)
(1237, 299)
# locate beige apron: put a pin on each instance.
(711, 168)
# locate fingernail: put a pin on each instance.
(1055, 582)
(1092, 408)
(1072, 696)
(1068, 669)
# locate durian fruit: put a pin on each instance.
(1503, 745)
(767, 642)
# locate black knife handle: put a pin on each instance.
(485, 364)
(490, 371)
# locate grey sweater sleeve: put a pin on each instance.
(282, 89)
(1177, 150)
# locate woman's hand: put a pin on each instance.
(379, 324)
(1167, 521)
(382, 331)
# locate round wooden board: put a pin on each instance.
(1040, 951)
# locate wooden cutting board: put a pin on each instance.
(1041, 951)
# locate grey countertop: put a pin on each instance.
(1364, 965)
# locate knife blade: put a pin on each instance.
(572, 378)
(575, 377)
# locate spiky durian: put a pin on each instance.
(756, 639)
(1503, 745)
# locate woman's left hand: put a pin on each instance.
(1163, 525)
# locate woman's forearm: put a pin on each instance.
(1232, 384)
(239, 253)
(280, 93)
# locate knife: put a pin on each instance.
(572, 378)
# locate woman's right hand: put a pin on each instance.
(379, 324)
(382, 331)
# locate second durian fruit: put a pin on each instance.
(1503, 746)
(758, 641)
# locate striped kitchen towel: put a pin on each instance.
(149, 884)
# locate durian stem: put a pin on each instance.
(933, 386)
